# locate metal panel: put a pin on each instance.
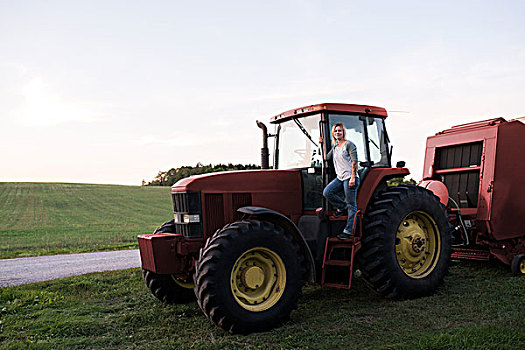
(158, 253)
(462, 174)
(463, 188)
(240, 200)
(508, 186)
(459, 156)
(213, 212)
(279, 190)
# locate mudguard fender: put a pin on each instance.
(438, 188)
(287, 224)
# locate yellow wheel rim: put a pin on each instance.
(522, 266)
(258, 279)
(417, 244)
(182, 283)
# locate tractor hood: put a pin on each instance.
(279, 190)
(242, 181)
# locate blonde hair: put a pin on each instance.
(342, 127)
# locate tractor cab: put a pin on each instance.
(303, 139)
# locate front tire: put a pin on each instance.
(406, 246)
(168, 288)
(249, 277)
(518, 265)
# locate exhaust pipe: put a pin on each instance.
(265, 155)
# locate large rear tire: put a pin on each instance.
(406, 243)
(168, 288)
(249, 277)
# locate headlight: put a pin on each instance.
(191, 218)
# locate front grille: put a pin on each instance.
(188, 203)
(211, 211)
(193, 230)
(180, 202)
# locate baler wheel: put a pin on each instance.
(406, 243)
(168, 288)
(518, 265)
(249, 276)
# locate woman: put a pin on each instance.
(344, 155)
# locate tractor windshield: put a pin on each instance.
(297, 143)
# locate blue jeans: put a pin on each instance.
(333, 192)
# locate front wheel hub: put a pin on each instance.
(252, 277)
(258, 279)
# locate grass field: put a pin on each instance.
(479, 307)
(51, 218)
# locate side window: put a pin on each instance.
(378, 148)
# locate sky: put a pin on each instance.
(115, 91)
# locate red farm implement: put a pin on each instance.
(483, 169)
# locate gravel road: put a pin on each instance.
(43, 268)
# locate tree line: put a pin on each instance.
(170, 177)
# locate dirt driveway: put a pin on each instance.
(43, 268)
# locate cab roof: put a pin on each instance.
(332, 107)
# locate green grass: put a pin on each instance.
(52, 218)
(479, 307)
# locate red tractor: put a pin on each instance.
(480, 168)
(244, 243)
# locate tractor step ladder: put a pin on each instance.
(330, 263)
